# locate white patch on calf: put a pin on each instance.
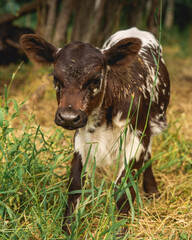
(58, 49)
(94, 120)
(162, 107)
(150, 81)
(134, 147)
(84, 103)
(162, 60)
(144, 90)
(133, 151)
(105, 144)
(147, 38)
(157, 126)
(117, 122)
(102, 78)
(146, 158)
(56, 88)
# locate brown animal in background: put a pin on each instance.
(96, 89)
(10, 49)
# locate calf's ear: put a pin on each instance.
(37, 49)
(123, 51)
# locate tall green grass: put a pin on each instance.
(33, 196)
(30, 190)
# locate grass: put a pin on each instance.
(34, 170)
(35, 166)
(33, 196)
(28, 182)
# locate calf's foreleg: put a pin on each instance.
(123, 204)
(75, 183)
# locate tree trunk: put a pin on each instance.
(135, 13)
(62, 22)
(93, 30)
(169, 14)
(84, 12)
(50, 19)
(109, 22)
(41, 17)
(152, 25)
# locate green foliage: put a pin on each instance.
(174, 37)
(9, 6)
(27, 164)
(33, 195)
(176, 150)
(188, 3)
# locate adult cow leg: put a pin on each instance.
(75, 183)
(149, 182)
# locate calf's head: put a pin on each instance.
(80, 74)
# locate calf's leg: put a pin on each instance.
(123, 204)
(149, 182)
(75, 183)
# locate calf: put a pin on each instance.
(104, 93)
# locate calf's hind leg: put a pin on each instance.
(149, 182)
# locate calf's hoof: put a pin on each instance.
(66, 229)
(153, 192)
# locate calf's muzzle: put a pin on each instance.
(70, 119)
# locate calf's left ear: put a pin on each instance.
(123, 51)
(37, 49)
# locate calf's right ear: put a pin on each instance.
(123, 51)
(37, 49)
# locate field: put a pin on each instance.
(35, 160)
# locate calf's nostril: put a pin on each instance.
(77, 119)
(60, 116)
(66, 117)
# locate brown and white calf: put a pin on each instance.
(98, 90)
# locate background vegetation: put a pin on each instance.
(35, 155)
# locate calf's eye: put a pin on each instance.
(96, 82)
